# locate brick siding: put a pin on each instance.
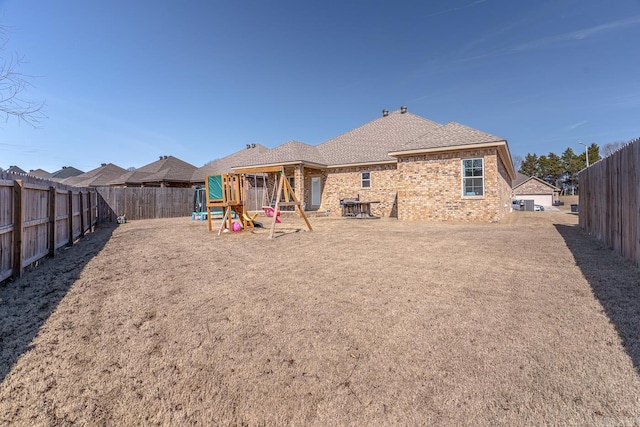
(533, 186)
(340, 183)
(430, 187)
(426, 186)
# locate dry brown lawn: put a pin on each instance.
(375, 322)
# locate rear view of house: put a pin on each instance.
(412, 167)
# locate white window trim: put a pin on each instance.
(362, 180)
(317, 179)
(464, 195)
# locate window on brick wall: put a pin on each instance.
(365, 180)
(472, 177)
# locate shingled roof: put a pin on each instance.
(40, 173)
(167, 168)
(519, 181)
(451, 134)
(372, 142)
(226, 164)
(369, 143)
(379, 141)
(65, 172)
(96, 177)
(15, 169)
(520, 178)
(287, 153)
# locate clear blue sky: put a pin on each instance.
(127, 81)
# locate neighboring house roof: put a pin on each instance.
(96, 177)
(40, 173)
(15, 169)
(536, 179)
(372, 141)
(520, 178)
(226, 164)
(179, 173)
(65, 172)
(167, 168)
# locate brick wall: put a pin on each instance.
(430, 187)
(504, 183)
(308, 174)
(533, 186)
(417, 187)
(340, 183)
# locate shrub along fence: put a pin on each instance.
(609, 205)
(37, 217)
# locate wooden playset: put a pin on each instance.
(228, 192)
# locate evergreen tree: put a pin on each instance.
(572, 164)
(555, 170)
(561, 171)
(529, 165)
(594, 153)
(543, 167)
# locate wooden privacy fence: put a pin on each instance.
(609, 205)
(37, 217)
(255, 199)
(144, 202)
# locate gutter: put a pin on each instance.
(278, 164)
(351, 165)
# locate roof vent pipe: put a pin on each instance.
(385, 113)
(403, 109)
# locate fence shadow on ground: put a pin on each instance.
(27, 303)
(614, 281)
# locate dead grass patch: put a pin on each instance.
(357, 323)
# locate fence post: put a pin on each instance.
(70, 219)
(90, 201)
(81, 214)
(52, 221)
(17, 227)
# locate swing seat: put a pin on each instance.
(269, 211)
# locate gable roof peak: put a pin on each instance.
(226, 163)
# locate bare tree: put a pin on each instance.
(13, 84)
(517, 161)
(612, 147)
